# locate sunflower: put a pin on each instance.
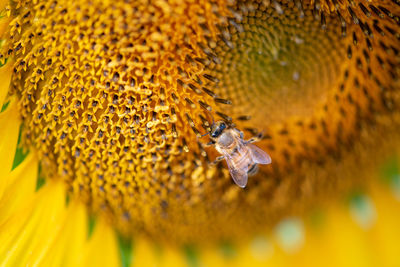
(107, 105)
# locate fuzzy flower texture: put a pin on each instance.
(105, 107)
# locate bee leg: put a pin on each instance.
(240, 132)
(255, 139)
(218, 159)
(211, 143)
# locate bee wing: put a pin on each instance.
(258, 155)
(239, 175)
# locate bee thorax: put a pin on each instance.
(226, 139)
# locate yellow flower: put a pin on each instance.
(110, 100)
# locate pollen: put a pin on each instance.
(116, 95)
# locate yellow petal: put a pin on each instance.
(21, 184)
(214, 257)
(102, 249)
(9, 127)
(32, 228)
(172, 257)
(5, 76)
(384, 235)
(67, 243)
(338, 240)
(146, 253)
(143, 253)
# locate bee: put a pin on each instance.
(241, 156)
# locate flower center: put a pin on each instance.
(282, 63)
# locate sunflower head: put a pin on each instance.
(115, 96)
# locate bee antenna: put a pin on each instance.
(204, 135)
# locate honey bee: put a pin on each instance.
(241, 156)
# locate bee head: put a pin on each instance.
(217, 129)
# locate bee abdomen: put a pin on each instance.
(253, 169)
